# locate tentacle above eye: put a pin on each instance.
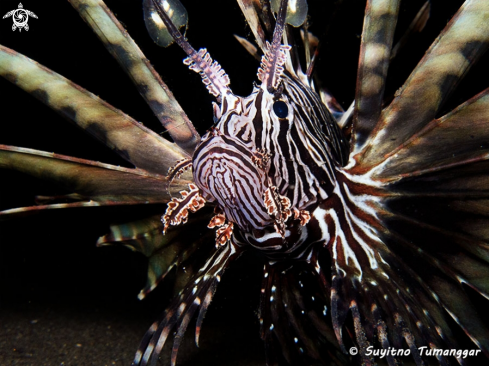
(213, 76)
(271, 68)
(150, 85)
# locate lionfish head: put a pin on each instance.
(275, 167)
(271, 156)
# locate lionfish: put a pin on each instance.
(370, 220)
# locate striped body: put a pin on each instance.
(301, 153)
(372, 225)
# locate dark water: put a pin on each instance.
(65, 302)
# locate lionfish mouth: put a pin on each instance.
(370, 222)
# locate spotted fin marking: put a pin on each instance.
(294, 315)
(411, 314)
(454, 258)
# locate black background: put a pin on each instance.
(50, 269)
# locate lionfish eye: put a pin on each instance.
(280, 108)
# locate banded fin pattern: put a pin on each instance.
(251, 10)
(155, 92)
(295, 321)
(164, 252)
(392, 251)
(411, 161)
(422, 96)
(197, 295)
(95, 184)
(139, 145)
(377, 37)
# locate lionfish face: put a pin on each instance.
(371, 225)
(269, 161)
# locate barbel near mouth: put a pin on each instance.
(382, 213)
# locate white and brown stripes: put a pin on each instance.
(139, 145)
(150, 85)
(259, 168)
(272, 63)
(224, 171)
(213, 76)
(197, 295)
(178, 208)
(375, 50)
(422, 96)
